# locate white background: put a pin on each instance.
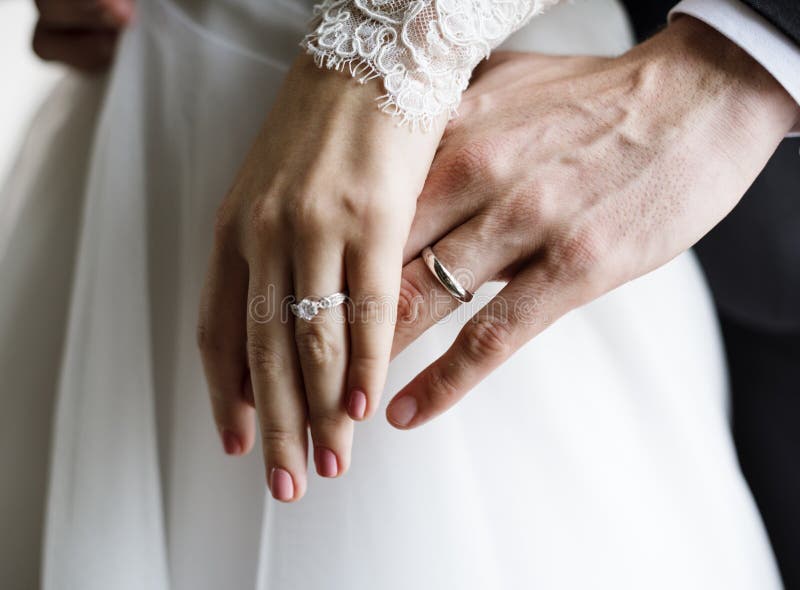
(24, 79)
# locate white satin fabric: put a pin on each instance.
(597, 457)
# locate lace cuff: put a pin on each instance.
(424, 50)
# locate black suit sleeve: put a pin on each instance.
(784, 14)
(648, 17)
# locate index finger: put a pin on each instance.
(524, 308)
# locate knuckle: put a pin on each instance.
(368, 362)
(315, 346)
(376, 209)
(442, 390)
(378, 212)
(264, 217)
(277, 440)
(327, 421)
(477, 161)
(305, 212)
(486, 338)
(458, 169)
(265, 360)
(410, 303)
(310, 212)
(531, 205)
(579, 254)
(354, 203)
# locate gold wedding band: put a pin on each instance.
(445, 277)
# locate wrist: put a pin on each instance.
(702, 72)
(367, 96)
(337, 119)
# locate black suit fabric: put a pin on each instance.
(784, 14)
(648, 16)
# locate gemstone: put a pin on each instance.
(306, 309)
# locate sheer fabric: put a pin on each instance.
(423, 50)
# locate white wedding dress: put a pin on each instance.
(599, 456)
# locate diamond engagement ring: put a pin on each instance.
(308, 308)
(445, 277)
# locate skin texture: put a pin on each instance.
(80, 33)
(570, 176)
(324, 201)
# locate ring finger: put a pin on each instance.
(322, 347)
(472, 253)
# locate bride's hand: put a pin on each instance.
(323, 203)
(571, 176)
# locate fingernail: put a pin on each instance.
(357, 404)
(327, 465)
(231, 443)
(402, 410)
(281, 484)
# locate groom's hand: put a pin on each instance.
(80, 33)
(571, 176)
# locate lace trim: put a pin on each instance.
(423, 50)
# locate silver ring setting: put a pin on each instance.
(445, 277)
(308, 308)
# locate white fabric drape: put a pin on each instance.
(599, 456)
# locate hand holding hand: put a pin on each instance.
(571, 176)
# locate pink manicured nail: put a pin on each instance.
(402, 410)
(231, 443)
(281, 484)
(357, 404)
(327, 465)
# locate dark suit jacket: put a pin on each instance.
(784, 14)
(648, 16)
(752, 258)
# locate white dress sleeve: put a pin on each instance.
(423, 50)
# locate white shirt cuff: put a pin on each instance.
(779, 55)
